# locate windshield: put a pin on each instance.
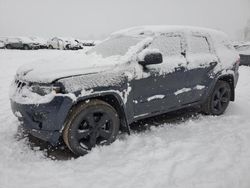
(117, 46)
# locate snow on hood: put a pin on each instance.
(48, 69)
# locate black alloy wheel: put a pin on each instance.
(219, 99)
(90, 124)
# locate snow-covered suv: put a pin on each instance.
(64, 43)
(134, 74)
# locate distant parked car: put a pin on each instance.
(21, 43)
(244, 51)
(135, 74)
(72, 44)
(42, 43)
(87, 43)
(56, 43)
(2, 44)
(64, 43)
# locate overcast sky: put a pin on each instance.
(97, 18)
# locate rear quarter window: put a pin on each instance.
(198, 44)
(13, 40)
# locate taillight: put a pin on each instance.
(236, 65)
(237, 62)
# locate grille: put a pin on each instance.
(20, 84)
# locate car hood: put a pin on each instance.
(48, 70)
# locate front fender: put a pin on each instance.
(93, 95)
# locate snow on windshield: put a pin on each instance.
(117, 46)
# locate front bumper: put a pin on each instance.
(45, 120)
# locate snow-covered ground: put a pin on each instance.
(202, 151)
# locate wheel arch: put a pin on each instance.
(115, 101)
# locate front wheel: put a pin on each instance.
(90, 124)
(218, 100)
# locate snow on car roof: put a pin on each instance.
(241, 43)
(25, 39)
(71, 39)
(153, 29)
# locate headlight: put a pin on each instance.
(45, 90)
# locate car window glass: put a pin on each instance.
(168, 45)
(13, 40)
(198, 44)
(117, 46)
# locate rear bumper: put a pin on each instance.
(43, 121)
(244, 59)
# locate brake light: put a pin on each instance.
(237, 62)
(236, 65)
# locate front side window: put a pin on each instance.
(168, 45)
(198, 44)
(14, 40)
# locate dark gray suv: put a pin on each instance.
(21, 43)
(134, 74)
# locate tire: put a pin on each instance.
(8, 46)
(26, 47)
(218, 100)
(90, 124)
(67, 47)
(50, 47)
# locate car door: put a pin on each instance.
(15, 43)
(154, 91)
(202, 59)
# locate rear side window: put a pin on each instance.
(13, 40)
(168, 45)
(198, 44)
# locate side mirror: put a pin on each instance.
(152, 58)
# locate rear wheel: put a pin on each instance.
(90, 124)
(26, 47)
(219, 99)
(8, 46)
